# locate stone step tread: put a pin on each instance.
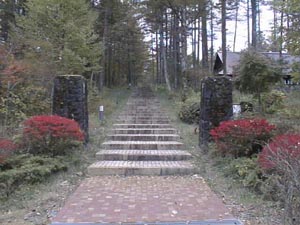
(141, 124)
(144, 118)
(153, 129)
(143, 155)
(142, 114)
(145, 168)
(144, 135)
(158, 120)
(142, 131)
(144, 152)
(142, 164)
(147, 122)
(143, 142)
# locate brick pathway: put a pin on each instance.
(143, 142)
(143, 200)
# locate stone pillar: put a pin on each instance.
(215, 106)
(70, 100)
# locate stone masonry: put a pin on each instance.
(70, 100)
(215, 106)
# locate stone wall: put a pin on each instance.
(215, 106)
(70, 99)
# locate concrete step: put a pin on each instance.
(135, 125)
(141, 145)
(144, 131)
(145, 103)
(142, 121)
(143, 118)
(139, 111)
(140, 168)
(128, 114)
(146, 108)
(143, 137)
(143, 155)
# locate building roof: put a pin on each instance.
(233, 58)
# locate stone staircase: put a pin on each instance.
(142, 142)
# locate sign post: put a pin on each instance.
(101, 112)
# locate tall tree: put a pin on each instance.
(204, 16)
(256, 74)
(124, 50)
(182, 20)
(61, 32)
(254, 23)
(8, 9)
(224, 35)
(292, 8)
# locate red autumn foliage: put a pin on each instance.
(242, 137)
(12, 69)
(7, 147)
(281, 153)
(50, 134)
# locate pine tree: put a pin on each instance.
(59, 33)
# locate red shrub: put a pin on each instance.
(51, 134)
(7, 147)
(242, 137)
(281, 153)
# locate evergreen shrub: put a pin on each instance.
(27, 169)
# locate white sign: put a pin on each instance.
(236, 108)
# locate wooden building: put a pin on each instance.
(233, 58)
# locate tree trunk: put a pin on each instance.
(166, 71)
(157, 59)
(224, 50)
(281, 33)
(254, 23)
(164, 66)
(184, 44)
(235, 26)
(248, 22)
(204, 36)
(176, 52)
(103, 74)
(198, 39)
(211, 36)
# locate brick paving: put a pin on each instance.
(142, 199)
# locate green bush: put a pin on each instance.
(273, 101)
(190, 108)
(27, 169)
(246, 171)
(23, 101)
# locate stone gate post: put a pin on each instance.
(215, 106)
(70, 100)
